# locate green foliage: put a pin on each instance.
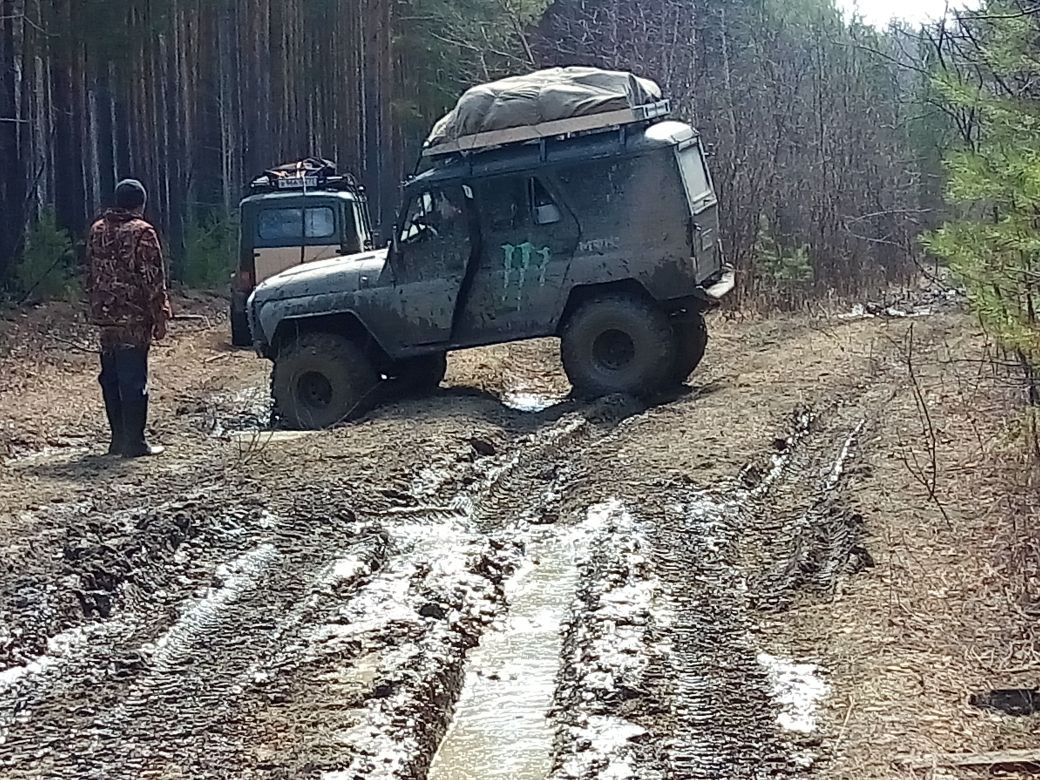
(994, 186)
(783, 268)
(45, 270)
(804, 12)
(210, 251)
(450, 45)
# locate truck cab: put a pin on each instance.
(295, 214)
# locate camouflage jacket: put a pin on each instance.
(126, 280)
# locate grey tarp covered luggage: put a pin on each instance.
(543, 98)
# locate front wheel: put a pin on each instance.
(321, 380)
(619, 344)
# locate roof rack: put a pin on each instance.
(312, 173)
(578, 125)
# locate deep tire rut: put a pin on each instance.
(328, 636)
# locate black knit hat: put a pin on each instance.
(130, 194)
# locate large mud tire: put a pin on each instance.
(321, 380)
(421, 374)
(240, 335)
(618, 344)
(691, 336)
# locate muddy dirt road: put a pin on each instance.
(748, 580)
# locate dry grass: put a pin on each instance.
(951, 607)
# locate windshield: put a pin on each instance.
(288, 224)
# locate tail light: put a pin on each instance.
(245, 280)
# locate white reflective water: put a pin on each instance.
(501, 729)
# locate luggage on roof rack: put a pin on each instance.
(311, 173)
(546, 104)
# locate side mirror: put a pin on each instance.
(548, 214)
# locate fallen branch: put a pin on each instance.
(73, 345)
(926, 474)
(1027, 760)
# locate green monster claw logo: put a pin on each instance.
(525, 261)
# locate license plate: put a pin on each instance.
(297, 182)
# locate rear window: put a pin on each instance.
(695, 178)
(288, 224)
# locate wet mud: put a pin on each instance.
(472, 585)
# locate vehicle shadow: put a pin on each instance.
(478, 402)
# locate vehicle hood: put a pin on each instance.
(336, 275)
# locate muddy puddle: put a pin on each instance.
(261, 438)
(501, 729)
(243, 413)
(530, 401)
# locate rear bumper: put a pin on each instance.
(713, 290)
(723, 286)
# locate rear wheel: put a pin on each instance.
(321, 380)
(421, 374)
(691, 336)
(618, 344)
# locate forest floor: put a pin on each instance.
(803, 565)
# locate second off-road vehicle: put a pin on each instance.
(598, 228)
(294, 214)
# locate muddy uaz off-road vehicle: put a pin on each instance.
(563, 204)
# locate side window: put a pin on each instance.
(437, 214)
(695, 178)
(435, 240)
(288, 224)
(415, 218)
(544, 210)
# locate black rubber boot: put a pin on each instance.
(135, 415)
(114, 412)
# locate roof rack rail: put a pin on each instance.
(312, 173)
(572, 126)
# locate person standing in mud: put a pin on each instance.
(126, 283)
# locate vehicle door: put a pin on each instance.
(429, 258)
(528, 237)
(703, 205)
(286, 236)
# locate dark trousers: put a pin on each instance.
(124, 373)
(124, 386)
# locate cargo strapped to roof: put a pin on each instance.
(578, 125)
(312, 173)
(550, 103)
